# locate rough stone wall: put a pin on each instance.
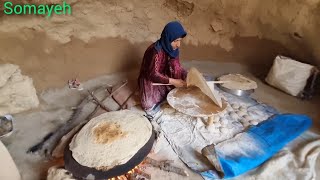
(292, 23)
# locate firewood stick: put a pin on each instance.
(97, 101)
(123, 177)
(110, 95)
(138, 176)
(164, 165)
(124, 103)
(214, 82)
(125, 83)
(133, 176)
(110, 91)
(138, 171)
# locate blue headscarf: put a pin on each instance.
(172, 31)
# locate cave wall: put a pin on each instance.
(110, 36)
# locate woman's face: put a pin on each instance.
(176, 43)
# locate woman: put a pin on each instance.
(161, 65)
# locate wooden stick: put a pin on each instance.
(164, 165)
(210, 121)
(111, 94)
(123, 177)
(125, 102)
(145, 175)
(160, 84)
(98, 102)
(121, 106)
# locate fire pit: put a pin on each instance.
(83, 172)
(112, 133)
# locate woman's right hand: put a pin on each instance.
(177, 82)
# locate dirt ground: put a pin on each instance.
(56, 108)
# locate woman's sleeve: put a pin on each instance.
(155, 75)
(178, 71)
(184, 73)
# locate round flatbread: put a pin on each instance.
(237, 82)
(110, 139)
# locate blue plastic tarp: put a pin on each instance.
(259, 143)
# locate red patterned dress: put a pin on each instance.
(157, 67)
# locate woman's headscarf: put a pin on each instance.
(172, 31)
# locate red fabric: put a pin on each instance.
(156, 67)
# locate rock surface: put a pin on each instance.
(17, 92)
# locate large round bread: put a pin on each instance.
(238, 82)
(110, 139)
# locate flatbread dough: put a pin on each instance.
(243, 109)
(241, 113)
(238, 82)
(235, 106)
(195, 78)
(247, 117)
(233, 115)
(110, 139)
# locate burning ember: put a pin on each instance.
(134, 174)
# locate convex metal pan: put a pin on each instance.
(236, 92)
(83, 172)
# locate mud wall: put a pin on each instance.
(102, 37)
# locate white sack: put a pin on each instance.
(289, 75)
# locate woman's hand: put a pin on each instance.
(177, 82)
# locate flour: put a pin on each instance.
(190, 102)
(224, 130)
(218, 124)
(193, 102)
(224, 122)
(241, 145)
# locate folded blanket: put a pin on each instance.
(250, 149)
